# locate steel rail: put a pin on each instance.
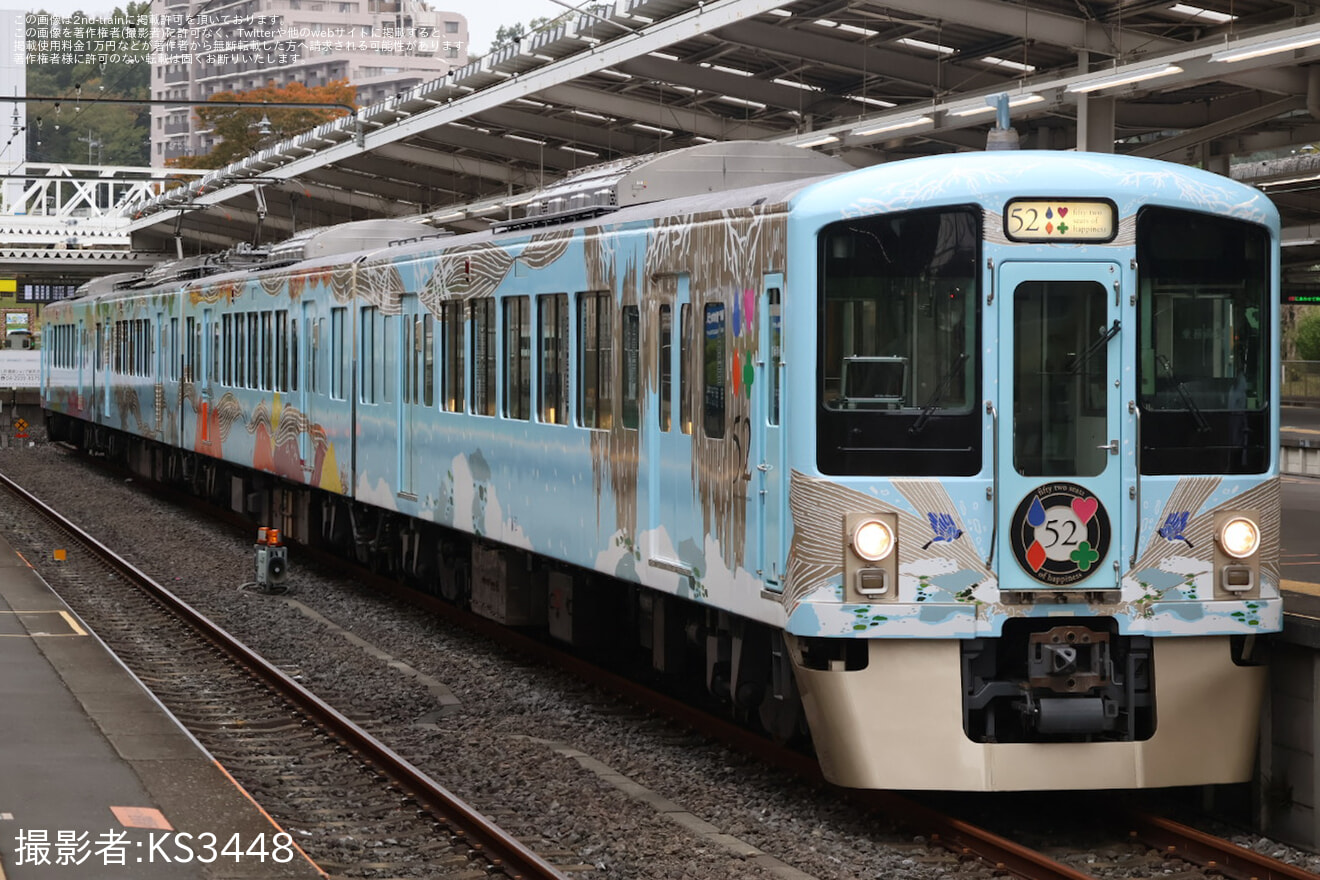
(1176, 840)
(943, 831)
(505, 852)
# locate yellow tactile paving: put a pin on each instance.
(1300, 587)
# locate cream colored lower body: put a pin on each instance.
(898, 725)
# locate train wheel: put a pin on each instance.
(783, 719)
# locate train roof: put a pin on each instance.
(993, 177)
(724, 176)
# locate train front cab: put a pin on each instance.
(1052, 469)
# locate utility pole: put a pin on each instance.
(93, 143)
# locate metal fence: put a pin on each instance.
(1301, 382)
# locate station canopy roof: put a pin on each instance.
(1232, 86)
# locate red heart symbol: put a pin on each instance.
(1085, 508)
(1063, 212)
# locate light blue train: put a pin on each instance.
(965, 464)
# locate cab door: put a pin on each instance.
(1060, 426)
(768, 429)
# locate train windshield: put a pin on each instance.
(1203, 344)
(899, 330)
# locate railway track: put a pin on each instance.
(375, 809)
(1146, 840)
(1201, 853)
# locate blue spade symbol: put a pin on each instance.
(1036, 514)
(1049, 213)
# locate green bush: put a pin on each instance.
(1308, 335)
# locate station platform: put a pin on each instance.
(97, 778)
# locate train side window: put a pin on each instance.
(595, 391)
(665, 367)
(631, 366)
(240, 351)
(254, 350)
(455, 368)
(553, 322)
(293, 353)
(268, 352)
(281, 350)
(684, 385)
(386, 341)
(315, 383)
(226, 349)
(367, 356)
(517, 357)
(339, 355)
(408, 359)
(483, 357)
(427, 331)
(712, 369)
(172, 370)
(190, 349)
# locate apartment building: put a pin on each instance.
(380, 46)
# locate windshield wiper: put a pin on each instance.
(934, 401)
(1188, 404)
(1093, 348)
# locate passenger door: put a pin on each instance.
(1060, 424)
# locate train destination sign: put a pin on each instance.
(1073, 220)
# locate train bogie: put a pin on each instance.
(966, 461)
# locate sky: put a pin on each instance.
(484, 17)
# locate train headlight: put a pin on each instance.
(1239, 537)
(872, 540)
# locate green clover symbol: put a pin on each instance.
(1084, 556)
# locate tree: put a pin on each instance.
(242, 128)
(511, 33)
(1307, 335)
(78, 125)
